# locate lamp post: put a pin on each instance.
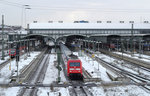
(27, 7)
(24, 7)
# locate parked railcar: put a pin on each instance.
(12, 53)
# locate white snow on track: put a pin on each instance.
(52, 73)
(5, 74)
(51, 77)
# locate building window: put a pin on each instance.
(50, 21)
(108, 21)
(99, 21)
(121, 21)
(146, 22)
(34, 21)
(131, 21)
(60, 21)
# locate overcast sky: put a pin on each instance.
(71, 10)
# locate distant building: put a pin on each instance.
(11, 30)
(104, 32)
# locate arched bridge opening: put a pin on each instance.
(113, 38)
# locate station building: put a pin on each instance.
(105, 32)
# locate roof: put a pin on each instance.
(88, 26)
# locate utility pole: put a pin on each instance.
(3, 54)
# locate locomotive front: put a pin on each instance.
(74, 69)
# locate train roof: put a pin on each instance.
(72, 56)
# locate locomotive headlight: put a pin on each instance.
(77, 68)
(71, 68)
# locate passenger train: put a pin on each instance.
(73, 64)
(12, 51)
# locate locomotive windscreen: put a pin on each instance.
(12, 51)
(74, 64)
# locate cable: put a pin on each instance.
(39, 7)
(10, 3)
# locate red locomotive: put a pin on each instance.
(72, 63)
(12, 53)
(74, 69)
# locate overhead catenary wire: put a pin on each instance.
(10, 3)
(40, 7)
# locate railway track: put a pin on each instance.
(36, 75)
(135, 55)
(77, 88)
(128, 59)
(2, 65)
(134, 77)
(128, 63)
(132, 64)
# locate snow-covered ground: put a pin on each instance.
(93, 67)
(51, 77)
(145, 58)
(9, 69)
(6, 58)
(131, 68)
(129, 90)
